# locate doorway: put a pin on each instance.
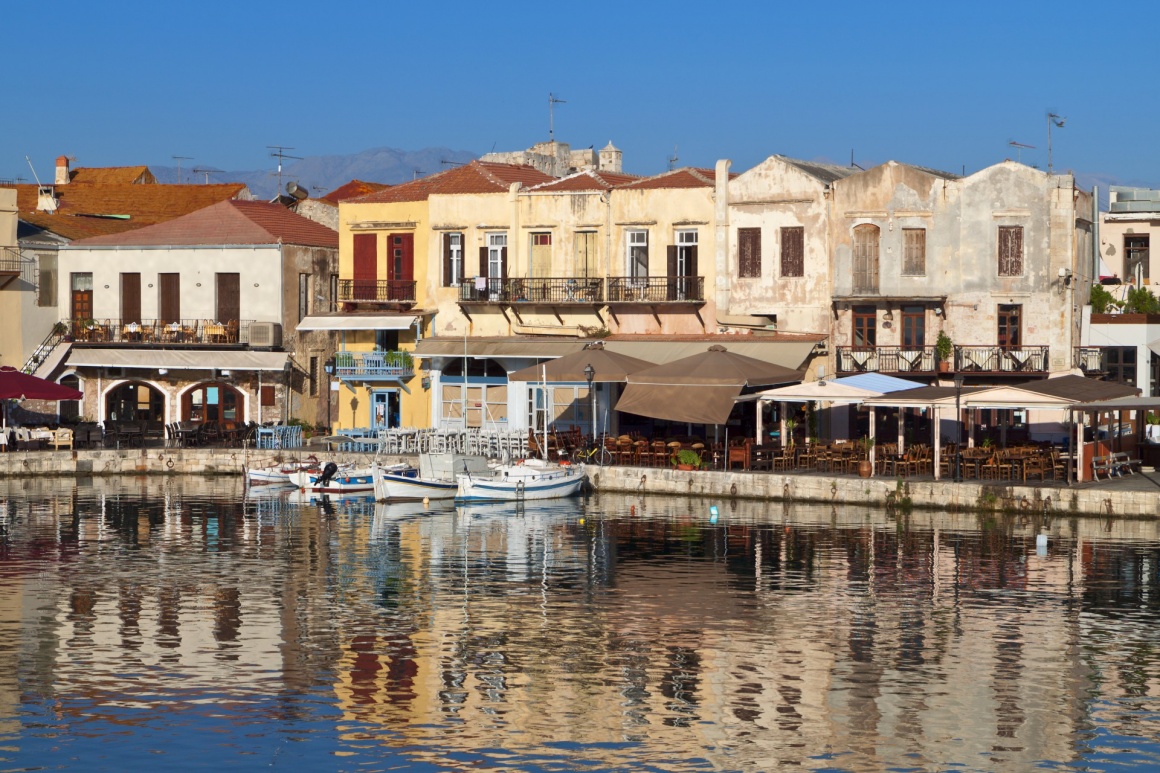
(385, 412)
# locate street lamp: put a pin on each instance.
(959, 426)
(328, 366)
(589, 375)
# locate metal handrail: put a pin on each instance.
(1001, 359)
(152, 331)
(656, 289)
(551, 290)
(377, 290)
(887, 359)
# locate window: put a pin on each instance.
(82, 295)
(452, 259)
(229, 297)
(46, 287)
(559, 406)
(303, 296)
(1010, 250)
(913, 326)
(169, 297)
(540, 255)
(130, 298)
(586, 257)
(1120, 364)
(749, 253)
(866, 258)
(267, 397)
(637, 254)
(793, 251)
(313, 377)
(914, 251)
(496, 255)
(1010, 325)
(1136, 257)
(865, 326)
(686, 254)
(482, 396)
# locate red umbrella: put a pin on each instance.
(15, 385)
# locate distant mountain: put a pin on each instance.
(322, 174)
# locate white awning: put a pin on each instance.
(358, 322)
(176, 359)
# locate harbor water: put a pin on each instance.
(182, 622)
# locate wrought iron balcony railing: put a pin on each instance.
(9, 261)
(1001, 359)
(151, 331)
(1089, 359)
(532, 290)
(377, 290)
(374, 365)
(887, 359)
(656, 289)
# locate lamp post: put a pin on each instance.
(328, 366)
(959, 425)
(589, 375)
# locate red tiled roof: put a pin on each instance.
(474, 177)
(685, 177)
(228, 222)
(588, 180)
(111, 175)
(82, 206)
(351, 190)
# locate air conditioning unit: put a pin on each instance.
(266, 335)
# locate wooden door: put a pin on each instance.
(130, 298)
(1010, 326)
(366, 267)
(913, 327)
(228, 297)
(169, 297)
(865, 326)
(401, 265)
(82, 296)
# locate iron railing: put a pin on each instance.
(887, 359)
(374, 364)
(532, 290)
(1001, 359)
(1089, 359)
(9, 261)
(204, 332)
(377, 290)
(656, 289)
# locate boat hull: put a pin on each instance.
(344, 481)
(521, 483)
(397, 487)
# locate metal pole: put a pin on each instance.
(958, 429)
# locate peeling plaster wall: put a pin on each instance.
(771, 196)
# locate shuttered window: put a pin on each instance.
(169, 297)
(228, 297)
(793, 261)
(46, 287)
(267, 396)
(914, 251)
(1010, 250)
(130, 298)
(452, 259)
(866, 258)
(749, 253)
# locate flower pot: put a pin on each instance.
(684, 467)
(864, 468)
(944, 366)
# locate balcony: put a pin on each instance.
(1089, 360)
(887, 359)
(373, 366)
(398, 291)
(9, 262)
(1001, 359)
(185, 332)
(656, 289)
(551, 291)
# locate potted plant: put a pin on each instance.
(790, 426)
(686, 459)
(944, 347)
(864, 465)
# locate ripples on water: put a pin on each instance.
(175, 623)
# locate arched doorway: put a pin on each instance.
(212, 401)
(477, 398)
(70, 410)
(135, 401)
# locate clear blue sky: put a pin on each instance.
(930, 83)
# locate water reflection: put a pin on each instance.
(614, 633)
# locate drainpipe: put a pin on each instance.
(514, 240)
(721, 236)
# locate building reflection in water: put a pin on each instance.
(632, 628)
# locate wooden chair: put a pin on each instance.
(1058, 466)
(61, 438)
(1034, 464)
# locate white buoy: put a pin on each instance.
(426, 501)
(1041, 544)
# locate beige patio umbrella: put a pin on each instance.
(607, 366)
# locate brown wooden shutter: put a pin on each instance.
(366, 267)
(267, 396)
(447, 260)
(792, 251)
(1010, 250)
(169, 291)
(407, 270)
(130, 298)
(483, 261)
(691, 269)
(228, 297)
(503, 272)
(749, 253)
(671, 254)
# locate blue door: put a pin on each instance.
(384, 408)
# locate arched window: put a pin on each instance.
(480, 399)
(135, 401)
(866, 238)
(212, 401)
(70, 410)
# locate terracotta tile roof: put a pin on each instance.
(228, 222)
(474, 177)
(82, 206)
(685, 177)
(588, 180)
(112, 175)
(351, 190)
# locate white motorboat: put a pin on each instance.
(278, 474)
(334, 480)
(523, 481)
(434, 479)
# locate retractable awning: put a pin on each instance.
(357, 322)
(176, 359)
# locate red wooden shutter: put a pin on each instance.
(366, 266)
(407, 244)
(130, 298)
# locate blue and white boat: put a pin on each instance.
(524, 481)
(339, 481)
(434, 479)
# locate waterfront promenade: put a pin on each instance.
(1134, 496)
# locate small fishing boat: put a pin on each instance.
(334, 480)
(524, 481)
(278, 474)
(434, 478)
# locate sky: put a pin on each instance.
(943, 85)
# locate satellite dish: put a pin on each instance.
(297, 191)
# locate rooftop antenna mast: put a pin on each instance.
(553, 100)
(852, 164)
(1019, 146)
(203, 170)
(35, 176)
(179, 159)
(673, 159)
(1058, 120)
(280, 153)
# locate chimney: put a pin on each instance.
(62, 175)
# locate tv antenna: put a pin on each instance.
(35, 176)
(1057, 120)
(445, 162)
(415, 173)
(553, 100)
(179, 159)
(280, 153)
(673, 159)
(1020, 147)
(852, 164)
(205, 171)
